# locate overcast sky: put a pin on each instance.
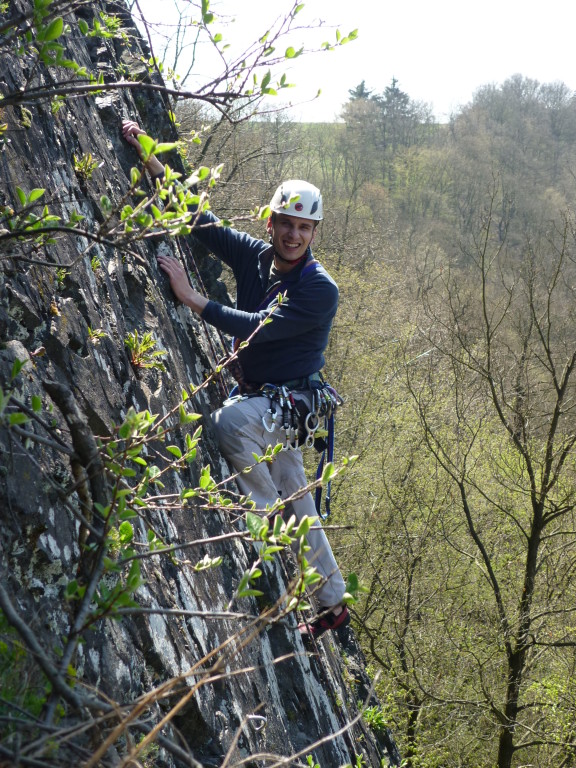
(439, 53)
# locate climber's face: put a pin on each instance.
(291, 236)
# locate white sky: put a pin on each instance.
(439, 52)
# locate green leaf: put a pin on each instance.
(102, 510)
(329, 472)
(271, 550)
(206, 481)
(53, 31)
(305, 525)
(147, 143)
(186, 418)
(290, 524)
(166, 147)
(352, 583)
(21, 196)
(17, 418)
(174, 450)
(36, 403)
(35, 194)
(266, 80)
(113, 467)
(353, 587)
(192, 441)
(254, 524)
(250, 593)
(126, 531)
(17, 366)
(278, 523)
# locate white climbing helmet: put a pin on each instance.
(298, 198)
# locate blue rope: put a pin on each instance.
(327, 454)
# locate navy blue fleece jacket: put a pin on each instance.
(292, 345)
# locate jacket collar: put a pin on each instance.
(265, 262)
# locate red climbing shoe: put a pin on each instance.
(324, 622)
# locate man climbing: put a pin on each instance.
(287, 353)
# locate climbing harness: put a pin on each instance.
(302, 425)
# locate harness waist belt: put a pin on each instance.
(304, 382)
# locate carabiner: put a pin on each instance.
(273, 416)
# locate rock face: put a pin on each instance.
(202, 678)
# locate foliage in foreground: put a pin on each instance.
(115, 500)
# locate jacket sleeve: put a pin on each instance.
(229, 245)
(312, 302)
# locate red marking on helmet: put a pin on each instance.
(299, 207)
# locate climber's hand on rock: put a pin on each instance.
(181, 285)
(130, 131)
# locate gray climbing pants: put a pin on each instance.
(241, 433)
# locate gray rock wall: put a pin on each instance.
(234, 689)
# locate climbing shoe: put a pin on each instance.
(324, 622)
